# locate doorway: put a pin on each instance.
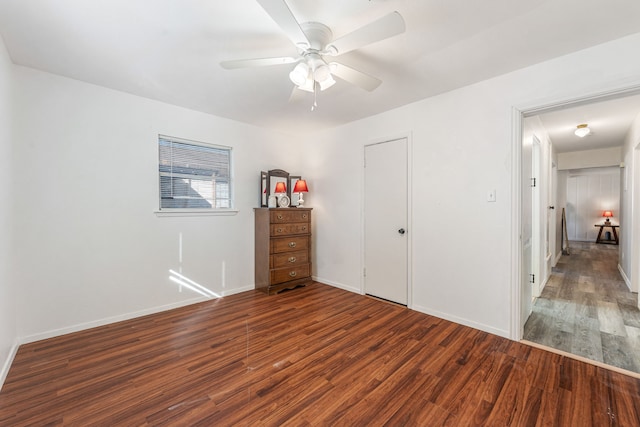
(386, 232)
(580, 285)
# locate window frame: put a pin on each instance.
(194, 211)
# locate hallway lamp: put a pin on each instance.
(607, 215)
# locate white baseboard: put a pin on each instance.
(462, 321)
(238, 290)
(546, 280)
(119, 318)
(425, 310)
(557, 258)
(337, 285)
(7, 363)
(624, 277)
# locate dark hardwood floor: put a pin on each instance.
(586, 309)
(311, 356)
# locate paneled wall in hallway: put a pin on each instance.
(589, 193)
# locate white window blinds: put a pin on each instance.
(194, 175)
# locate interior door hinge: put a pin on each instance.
(533, 182)
(532, 278)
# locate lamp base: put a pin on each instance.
(300, 201)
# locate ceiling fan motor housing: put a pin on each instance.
(319, 35)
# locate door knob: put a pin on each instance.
(401, 231)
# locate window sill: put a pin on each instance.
(195, 212)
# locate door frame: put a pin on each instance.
(409, 137)
(536, 217)
(553, 216)
(518, 113)
(634, 247)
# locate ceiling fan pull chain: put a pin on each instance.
(315, 95)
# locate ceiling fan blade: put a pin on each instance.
(385, 27)
(282, 15)
(355, 77)
(258, 62)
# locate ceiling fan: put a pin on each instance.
(313, 71)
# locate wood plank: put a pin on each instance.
(316, 356)
(587, 310)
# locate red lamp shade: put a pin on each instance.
(607, 214)
(280, 188)
(301, 186)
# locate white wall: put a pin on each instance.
(8, 331)
(90, 249)
(463, 146)
(590, 192)
(630, 207)
(590, 158)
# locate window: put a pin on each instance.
(194, 175)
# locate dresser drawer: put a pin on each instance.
(281, 275)
(289, 259)
(290, 244)
(288, 216)
(288, 229)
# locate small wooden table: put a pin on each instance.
(615, 234)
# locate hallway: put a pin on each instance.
(586, 309)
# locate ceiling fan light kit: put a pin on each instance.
(314, 41)
(299, 74)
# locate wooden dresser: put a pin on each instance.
(283, 248)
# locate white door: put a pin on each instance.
(385, 221)
(526, 233)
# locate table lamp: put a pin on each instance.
(607, 215)
(280, 188)
(283, 199)
(300, 187)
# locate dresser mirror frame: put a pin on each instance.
(273, 177)
(264, 197)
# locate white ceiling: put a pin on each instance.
(608, 120)
(170, 50)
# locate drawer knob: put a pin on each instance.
(304, 216)
(304, 228)
(279, 216)
(293, 274)
(292, 244)
(279, 230)
(292, 259)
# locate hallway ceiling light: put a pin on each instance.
(582, 130)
